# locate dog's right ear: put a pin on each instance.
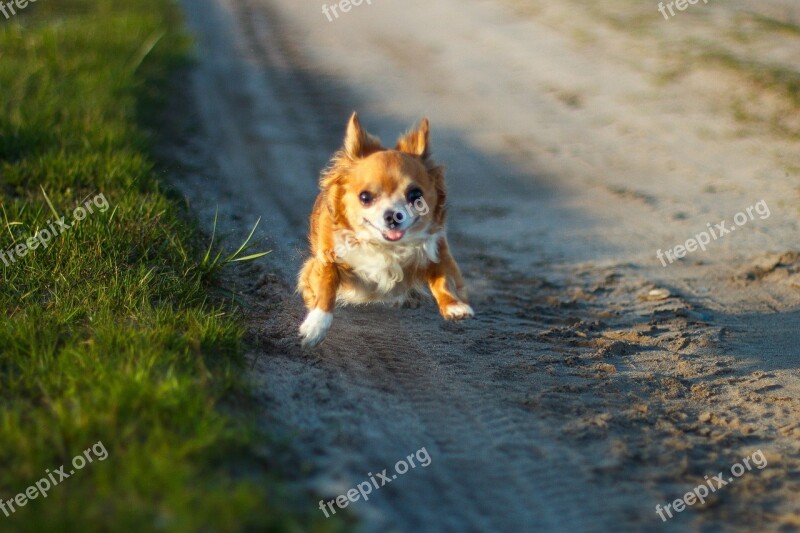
(357, 142)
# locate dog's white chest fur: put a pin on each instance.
(380, 268)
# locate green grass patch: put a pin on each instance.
(109, 334)
(765, 79)
(771, 24)
(778, 78)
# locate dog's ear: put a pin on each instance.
(357, 142)
(415, 142)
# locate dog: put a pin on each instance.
(377, 231)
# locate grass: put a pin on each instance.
(109, 334)
(764, 79)
(778, 78)
(774, 25)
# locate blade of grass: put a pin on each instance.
(144, 50)
(251, 257)
(50, 204)
(244, 244)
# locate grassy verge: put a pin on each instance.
(108, 334)
(779, 81)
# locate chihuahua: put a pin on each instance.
(377, 231)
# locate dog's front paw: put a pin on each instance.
(458, 311)
(315, 327)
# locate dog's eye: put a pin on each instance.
(366, 198)
(414, 195)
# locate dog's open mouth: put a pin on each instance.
(394, 235)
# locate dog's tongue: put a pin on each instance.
(394, 234)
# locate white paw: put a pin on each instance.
(315, 327)
(458, 311)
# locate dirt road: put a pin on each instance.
(579, 142)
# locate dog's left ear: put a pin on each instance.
(415, 142)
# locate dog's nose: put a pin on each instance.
(393, 218)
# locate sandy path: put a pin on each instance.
(570, 403)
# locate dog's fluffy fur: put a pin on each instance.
(378, 231)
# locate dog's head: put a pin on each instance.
(390, 196)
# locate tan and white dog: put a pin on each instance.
(377, 231)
